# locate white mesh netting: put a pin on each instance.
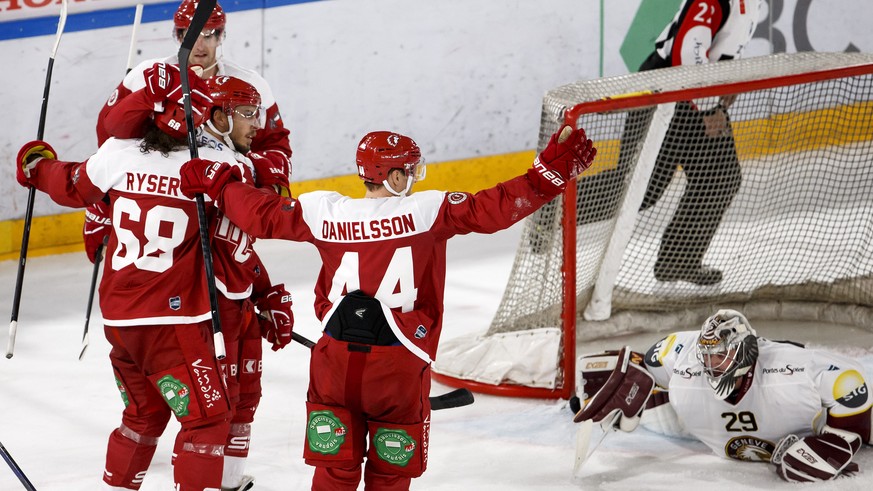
(773, 215)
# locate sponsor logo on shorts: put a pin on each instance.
(175, 393)
(325, 433)
(123, 392)
(394, 446)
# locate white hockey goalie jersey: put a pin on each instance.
(792, 390)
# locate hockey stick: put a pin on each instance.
(137, 18)
(455, 398)
(583, 441)
(15, 469)
(31, 193)
(201, 15)
(98, 255)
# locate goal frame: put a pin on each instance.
(567, 364)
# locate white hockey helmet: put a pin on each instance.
(727, 348)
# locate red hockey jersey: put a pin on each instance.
(393, 249)
(154, 270)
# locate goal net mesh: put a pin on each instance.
(772, 214)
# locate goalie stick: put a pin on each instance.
(455, 398)
(15, 469)
(31, 193)
(201, 15)
(98, 255)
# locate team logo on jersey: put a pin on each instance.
(850, 390)
(175, 303)
(394, 446)
(123, 392)
(420, 332)
(112, 98)
(175, 393)
(456, 198)
(749, 449)
(325, 433)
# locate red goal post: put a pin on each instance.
(793, 240)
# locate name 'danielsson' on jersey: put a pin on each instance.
(371, 230)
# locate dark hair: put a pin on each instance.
(156, 140)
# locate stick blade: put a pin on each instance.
(455, 398)
(10, 346)
(84, 346)
(583, 442)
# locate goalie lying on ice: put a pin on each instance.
(806, 411)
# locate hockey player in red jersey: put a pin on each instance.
(153, 297)
(380, 291)
(236, 116)
(149, 83)
(747, 398)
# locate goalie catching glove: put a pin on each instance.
(816, 458)
(619, 403)
(277, 319)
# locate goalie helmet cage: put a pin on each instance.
(792, 229)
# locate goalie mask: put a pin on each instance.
(727, 348)
(381, 151)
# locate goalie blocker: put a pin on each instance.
(620, 395)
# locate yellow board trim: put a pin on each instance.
(796, 132)
(57, 234)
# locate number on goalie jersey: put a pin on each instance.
(779, 389)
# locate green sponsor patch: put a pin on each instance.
(123, 392)
(175, 393)
(325, 432)
(394, 446)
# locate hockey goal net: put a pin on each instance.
(778, 208)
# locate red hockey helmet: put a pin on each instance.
(228, 93)
(381, 151)
(172, 120)
(185, 13)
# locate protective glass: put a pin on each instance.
(417, 170)
(209, 36)
(255, 115)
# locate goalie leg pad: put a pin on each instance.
(625, 392)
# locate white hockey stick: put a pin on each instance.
(137, 18)
(28, 216)
(583, 441)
